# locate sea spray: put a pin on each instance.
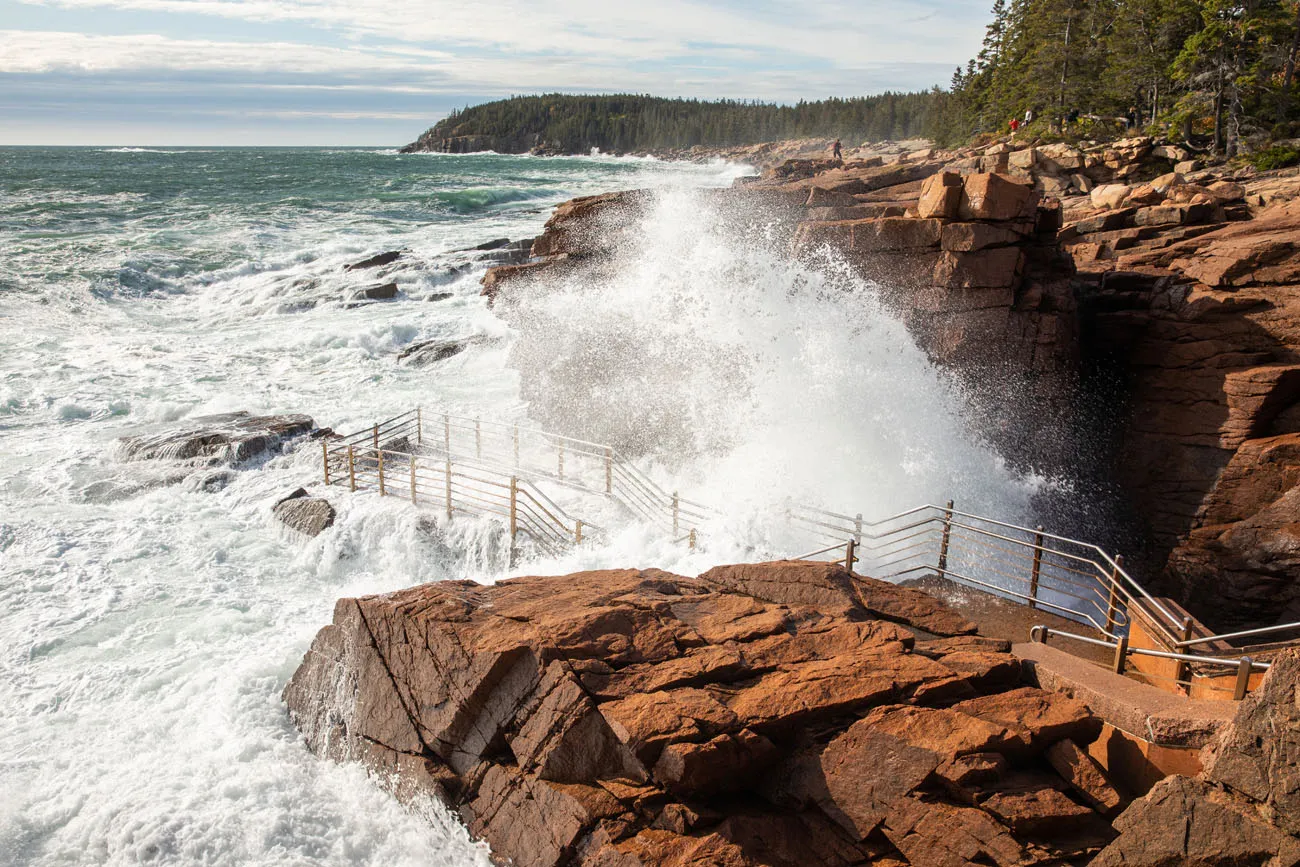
(748, 379)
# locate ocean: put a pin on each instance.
(148, 624)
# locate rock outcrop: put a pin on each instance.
(231, 438)
(776, 714)
(1243, 809)
(300, 511)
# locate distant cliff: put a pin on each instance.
(560, 124)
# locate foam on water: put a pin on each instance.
(149, 622)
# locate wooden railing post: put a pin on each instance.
(352, 469)
(1121, 656)
(419, 426)
(692, 540)
(857, 528)
(379, 455)
(516, 446)
(1243, 679)
(677, 510)
(943, 543)
(850, 555)
(478, 439)
(1112, 603)
(1037, 567)
(577, 532)
(560, 452)
(609, 470)
(325, 453)
(376, 437)
(413, 500)
(446, 434)
(448, 474)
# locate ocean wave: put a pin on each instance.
(479, 198)
(125, 150)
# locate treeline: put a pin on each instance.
(1222, 71)
(627, 123)
(1218, 73)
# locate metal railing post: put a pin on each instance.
(413, 500)
(352, 469)
(1182, 669)
(609, 471)
(478, 439)
(850, 555)
(419, 425)
(380, 457)
(325, 454)
(514, 515)
(947, 537)
(448, 474)
(1121, 656)
(1112, 603)
(1037, 567)
(1243, 679)
(677, 510)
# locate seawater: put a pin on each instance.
(148, 625)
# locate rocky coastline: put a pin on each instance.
(1056, 280)
(782, 714)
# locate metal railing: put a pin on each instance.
(455, 488)
(1242, 666)
(471, 466)
(1042, 570)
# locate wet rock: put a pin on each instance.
(306, 514)
(757, 715)
(231, 438)
(493, 245)
(425, 352)
(376, 261)
(380, 292)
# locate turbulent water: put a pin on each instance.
(147, 625)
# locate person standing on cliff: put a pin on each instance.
(836, 152)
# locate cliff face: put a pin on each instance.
(782, 714)
(1031, 271)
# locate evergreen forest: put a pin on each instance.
(1217, 73)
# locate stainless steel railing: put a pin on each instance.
(472, 466)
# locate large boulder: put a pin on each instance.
(1244, 807)
(771, 714)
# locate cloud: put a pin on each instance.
(285, 61)
(848, 34)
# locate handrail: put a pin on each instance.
(1030, 565)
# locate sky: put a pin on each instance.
(379, 72)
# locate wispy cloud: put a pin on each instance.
(453, 52)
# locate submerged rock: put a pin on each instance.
(229, 438)
(776, 714)
(426, 352)
(375, 261)
(306, 514)
(380, 292)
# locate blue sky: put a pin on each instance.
(378, 72)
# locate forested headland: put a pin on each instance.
(1220, 73)
(628, 123)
